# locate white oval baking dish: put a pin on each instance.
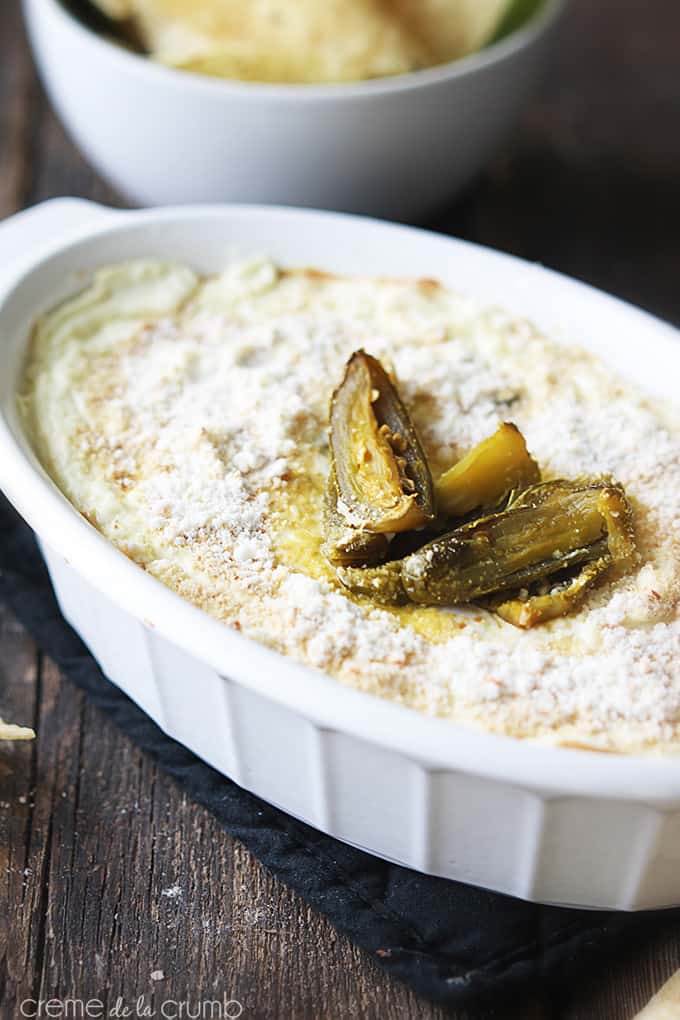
(393, 147)
(558, 826)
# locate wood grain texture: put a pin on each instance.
(111, 882)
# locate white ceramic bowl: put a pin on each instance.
(393, 147)
(545, 824)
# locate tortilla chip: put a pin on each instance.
(279, 40)
(450, 29)
(666, 1004)
(10, 732)
(308, 40)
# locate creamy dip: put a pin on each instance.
(186, 418)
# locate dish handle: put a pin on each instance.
(34, 231)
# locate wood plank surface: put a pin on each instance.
(111, 882)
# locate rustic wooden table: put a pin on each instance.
(112, 882)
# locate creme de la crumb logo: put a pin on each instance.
(133, 1009)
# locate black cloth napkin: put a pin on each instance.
(453, 943)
